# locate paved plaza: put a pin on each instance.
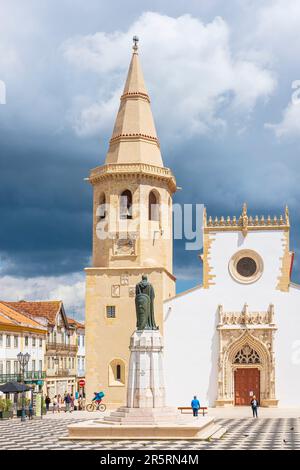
(275, 429)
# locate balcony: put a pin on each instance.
(28, 376)
(61, 373)
(61, 347)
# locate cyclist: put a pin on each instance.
(98, 397)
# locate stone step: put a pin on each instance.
(218, 434)
(138, 419)
(208, 431)
(148, 411)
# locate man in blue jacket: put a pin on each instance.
(195, 404)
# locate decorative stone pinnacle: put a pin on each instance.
(247, 223)
(287, 216)
(204, 217)
(244, 220)
(135, 43)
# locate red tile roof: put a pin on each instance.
(76, 323)
(10, 316)
(44, 309)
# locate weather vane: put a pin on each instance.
(135, 43)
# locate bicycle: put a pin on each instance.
(96, 406)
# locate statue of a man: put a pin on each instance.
(144, 299)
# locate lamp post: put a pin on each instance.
(23, 361)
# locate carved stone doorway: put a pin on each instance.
(246, 384)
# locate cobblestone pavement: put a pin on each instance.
(243, 433)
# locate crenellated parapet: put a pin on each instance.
(246, 222)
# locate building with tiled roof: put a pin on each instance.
(21, 333)
(40, 309)
(63, 338)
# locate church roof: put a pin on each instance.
(134, 138)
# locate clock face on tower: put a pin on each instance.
(246, 266)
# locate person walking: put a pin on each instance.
(47, 402)
(254, 406)
(72, 404)
(80, 403)
(30, 410)
(76, 404)
(195, 404)
(54, 404)
(67, 401)
(59, 402)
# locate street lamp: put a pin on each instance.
(23, 361)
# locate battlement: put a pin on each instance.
(246, 223)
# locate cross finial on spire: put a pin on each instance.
(135, 43)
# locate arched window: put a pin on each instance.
(247, 355)
(153, 206)
(116, 373)
(126, 205)
(101, 209)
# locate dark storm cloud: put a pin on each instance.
(45, 204)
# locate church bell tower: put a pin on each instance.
(132, 236)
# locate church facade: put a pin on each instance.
(225, 340)
(237, 334)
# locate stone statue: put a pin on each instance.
(144, 299)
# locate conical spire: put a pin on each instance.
(134, 138)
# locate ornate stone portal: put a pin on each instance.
(246, 340)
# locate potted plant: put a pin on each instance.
(6, 406)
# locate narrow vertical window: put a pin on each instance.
(118, 372)
(126, 205)
(153, 206)
(101, 209)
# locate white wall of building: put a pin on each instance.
(9, 349)
(191, 338)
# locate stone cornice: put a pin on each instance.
(134, 137)
(137, 269)
(133, 95)
(119, 170)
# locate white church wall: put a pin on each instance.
(191, 338)
(287, 347)
(268, 244)
(191, 349)
(191, 343)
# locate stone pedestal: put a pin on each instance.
(145, 378)
(146, 415)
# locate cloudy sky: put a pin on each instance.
(231, 71)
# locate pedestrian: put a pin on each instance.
(80, 403)
(59, 402)
(67, 401)
(254, 406)
(47, 401)
(54, 404)
(83, 402)
(30, 410)
(195, 404)
(76, 406)
(72, 404)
